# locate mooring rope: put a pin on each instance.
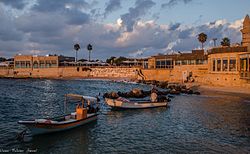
(20, 136)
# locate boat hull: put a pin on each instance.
(37, 128)
(117, 104)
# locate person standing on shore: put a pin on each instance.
(153, 95)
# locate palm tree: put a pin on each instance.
(225, 42)
(89, 47)
(214, 39)
(76, 47)
(202, 37)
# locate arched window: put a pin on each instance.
(35, 64)
(48, 64)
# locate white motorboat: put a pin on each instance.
(122, 103)
(85, 113)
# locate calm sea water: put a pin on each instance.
(214, 122)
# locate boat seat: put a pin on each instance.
(67, 117)
(90, 114)
(40, 120)
(46, 121)
(54, 122)
(64, 122)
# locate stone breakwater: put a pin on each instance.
(71, 72)
(163, 89)
(173, 87)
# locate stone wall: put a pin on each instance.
(115, 72)
(177, 74)
(75, 72)
(71, 72)
(200, 74)
(5, 72)
(225, 80)
(44, 73)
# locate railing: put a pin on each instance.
(6, 67)
(165, 67)
(104, 66)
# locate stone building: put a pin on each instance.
(232, 63)
(245, 57)
(181, 67)
(35, 62)
(224, 66)
(221, 66)
(196, 57)
(225, 59)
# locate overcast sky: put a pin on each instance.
(131, 28)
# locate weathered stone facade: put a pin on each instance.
(246, 32)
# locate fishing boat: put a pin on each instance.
(123, 103)
(85, 112)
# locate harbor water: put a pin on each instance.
(213, 122)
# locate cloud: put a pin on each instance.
(56, 31)
(76, 17)
(145, 34)
(162, 39)
(17, 4)
(174, 26)
(172, 3)
(147, 38)
(71, 12)
(237, 24)
(111, 6)
(185, 34)
(57, 5)
(35, 22)
(141, 8)
(8, 31)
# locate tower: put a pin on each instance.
(246, 32)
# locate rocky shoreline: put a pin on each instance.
(164, 89)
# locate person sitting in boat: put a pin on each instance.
(92, 108)
(154, 95)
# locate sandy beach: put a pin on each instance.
(204, 88)
(241, 90)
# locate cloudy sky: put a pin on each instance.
(132, 28)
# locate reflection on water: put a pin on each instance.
(72, 140)
(212, 122)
